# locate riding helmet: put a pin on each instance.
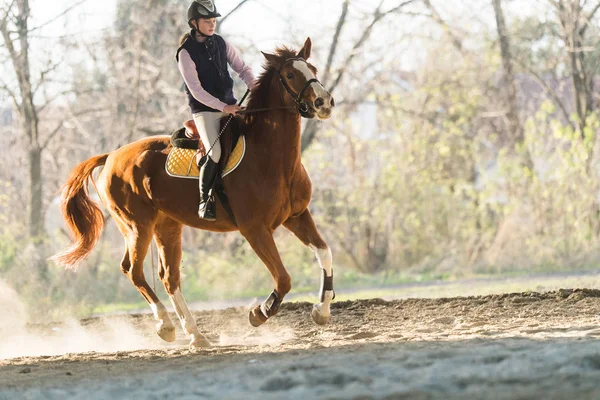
(202, 9)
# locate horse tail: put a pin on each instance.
(84, 219)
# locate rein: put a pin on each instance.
(225, 126)
(302, 106)
(264, 109)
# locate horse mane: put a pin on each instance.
(259, 97)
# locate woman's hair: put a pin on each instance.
(183, 38)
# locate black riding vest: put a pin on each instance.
(210, 58)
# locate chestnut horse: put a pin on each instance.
(270, 188)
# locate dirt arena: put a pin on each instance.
(510, 346)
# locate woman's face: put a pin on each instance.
(207, 25)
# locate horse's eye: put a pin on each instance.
(290, 76)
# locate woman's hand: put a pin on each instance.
(231, 109)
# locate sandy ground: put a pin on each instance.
(507, 346)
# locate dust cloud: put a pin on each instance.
(22, 337)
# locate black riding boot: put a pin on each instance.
(208, 172)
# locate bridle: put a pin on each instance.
(302, 106)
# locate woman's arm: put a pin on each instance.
(238, 65)
(190, 76)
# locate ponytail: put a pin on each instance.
(183, 38)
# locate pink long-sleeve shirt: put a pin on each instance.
(190, 76)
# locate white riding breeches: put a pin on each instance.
(208, 125)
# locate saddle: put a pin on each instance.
(181, 160)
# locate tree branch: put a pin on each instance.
(335, 41)
(58, 95)
(223, 19)
(377, 16)
(52, 134)
(438, 18)
(14, 56)
(549, 91)
(588, 19)
(12, 94)
(43, 74)
(72, 116)
(7, 11)
(64, 12)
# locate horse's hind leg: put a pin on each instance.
(304, 228)
(167, 234)
(137, 242)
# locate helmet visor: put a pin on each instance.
(206, 9)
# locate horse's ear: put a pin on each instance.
(305, 50)
(271, 58)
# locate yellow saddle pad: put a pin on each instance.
(181, 163)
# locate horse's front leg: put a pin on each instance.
(304, 228)
(264, 246)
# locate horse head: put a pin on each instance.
(298, 78)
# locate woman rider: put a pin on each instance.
(202, 59)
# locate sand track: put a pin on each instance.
(520, 345)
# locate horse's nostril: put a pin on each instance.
(332, 102)
(319, 102)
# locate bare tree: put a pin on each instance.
(32, 101)
(574, 22)
(312, 126)
(512, 115)
(15, 33)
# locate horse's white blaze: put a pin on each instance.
(188, 323)
(325, 261)
(308, 74)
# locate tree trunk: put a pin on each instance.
(36, 223)
(310, 131)
(574, 25)
(16, 21)
(512, 115)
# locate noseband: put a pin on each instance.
(302, 105)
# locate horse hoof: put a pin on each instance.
(256, 317)
(166, 332)
(199, 342)
(318, 318)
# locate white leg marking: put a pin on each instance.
(160, 313)
(188, 322)
(325, 261)
(324, 257)
(154, 310)
(164, 327)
